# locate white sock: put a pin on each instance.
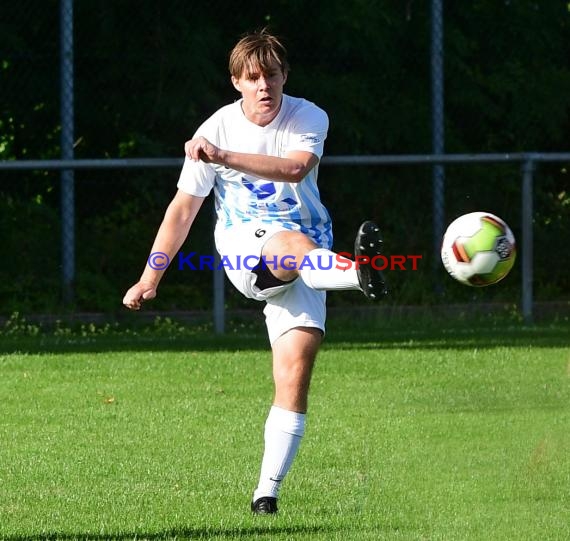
(283, 432)
(323, 269)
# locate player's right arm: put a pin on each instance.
(172, 233)
(293, 167)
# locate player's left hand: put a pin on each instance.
(201, 149)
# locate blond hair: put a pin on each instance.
(257, 52)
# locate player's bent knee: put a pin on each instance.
(288, 244)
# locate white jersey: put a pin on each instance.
(241, 198)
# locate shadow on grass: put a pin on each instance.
(250, 532)
(356, 329)
(347, 336)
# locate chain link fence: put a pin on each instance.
(145, 74)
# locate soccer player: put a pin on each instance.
(260, 155)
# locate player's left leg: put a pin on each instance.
(294, 355)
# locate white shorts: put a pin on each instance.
(290, 305)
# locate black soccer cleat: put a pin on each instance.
(367, 246)
(266, 505)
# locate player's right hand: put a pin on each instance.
(200, 149)
(141, 291)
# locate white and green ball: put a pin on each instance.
(478, 249)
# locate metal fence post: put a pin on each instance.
(527, 240)
(218, 285)
(67, 179)
(219, 297)
(438, 135)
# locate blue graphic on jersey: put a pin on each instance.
(262, 191)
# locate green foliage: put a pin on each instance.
(17, 326)
(503, 94)
(29, 278)
(147, 75)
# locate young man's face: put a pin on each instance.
(262, 92)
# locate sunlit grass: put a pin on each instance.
(411, 434)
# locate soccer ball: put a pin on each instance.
(478, 249)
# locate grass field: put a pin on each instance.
(440, 432)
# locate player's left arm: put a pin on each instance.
(293, 167)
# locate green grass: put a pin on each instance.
(447, 432)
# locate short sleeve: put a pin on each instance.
(308, 130)
(196, 178)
